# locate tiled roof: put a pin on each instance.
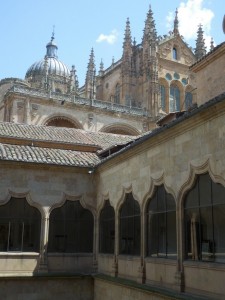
(62, 135)
(47, 156)
(51, 150)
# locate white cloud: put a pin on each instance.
(191, 13)
(110, 38)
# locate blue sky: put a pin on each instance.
(26, 27)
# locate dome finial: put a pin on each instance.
(53, 33)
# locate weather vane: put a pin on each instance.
(53, 33)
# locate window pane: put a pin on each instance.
(107, 229)
(219, 230)
(130, 226)
(205, 190)
(171, 235)
(161, 225)
(71, 229)
(20, 226)
(218, 192)
(207, 239)
(4, 231)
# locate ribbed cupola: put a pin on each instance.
(90, 82)
(200, 49)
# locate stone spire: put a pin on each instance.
(90, 87)
(150, 34)
(211, 44)
(126, 87)
(149, 65)
(127, 48)
(200, 49)
(176, 24)
(127, 36)
(73, 82)
(101, 68)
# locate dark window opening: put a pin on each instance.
(161, 225)
(204, 213)
(130, 226)
(174, 53)
(107, 229)
(117, 94)
(71, 229)
(20, 226)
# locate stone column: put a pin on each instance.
(116, 248)
(95, 245)
(43, 264)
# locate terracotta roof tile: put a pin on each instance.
(47, 156)
(62, 135)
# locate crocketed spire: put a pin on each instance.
(200, 49)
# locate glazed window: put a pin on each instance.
(161, 225)
(204, 212)
(20, 226)
(117, 94)
(107, 229)
(130, 226)
(175, 53)
(174, 102)
(71, 229)
(188, 100)
(163, 97)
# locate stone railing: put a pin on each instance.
(79, 100)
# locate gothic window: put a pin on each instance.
(71, 229)
(161, 225)
(107, 229)
(188, 100)
(204, 212)
(174, 102)
(163, 97)
(20, 226)
(130, 227)
(117, 94)
(174, 53)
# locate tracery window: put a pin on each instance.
(130, 226)
(20, 226)
(117, 94)
(174, 98)
(174, 53)
(71, 229)
(204, 212)
(163, 97)
(107, 229)
(188, 100)
(161, 225)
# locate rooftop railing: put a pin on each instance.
(110, 106)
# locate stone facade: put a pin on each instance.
(78, 205)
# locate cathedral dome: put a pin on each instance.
(50, 65)
(54, 67)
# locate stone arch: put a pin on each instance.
(62, 121)
(67, 197)
(28, 198)
(120, 128)
(154, 183)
